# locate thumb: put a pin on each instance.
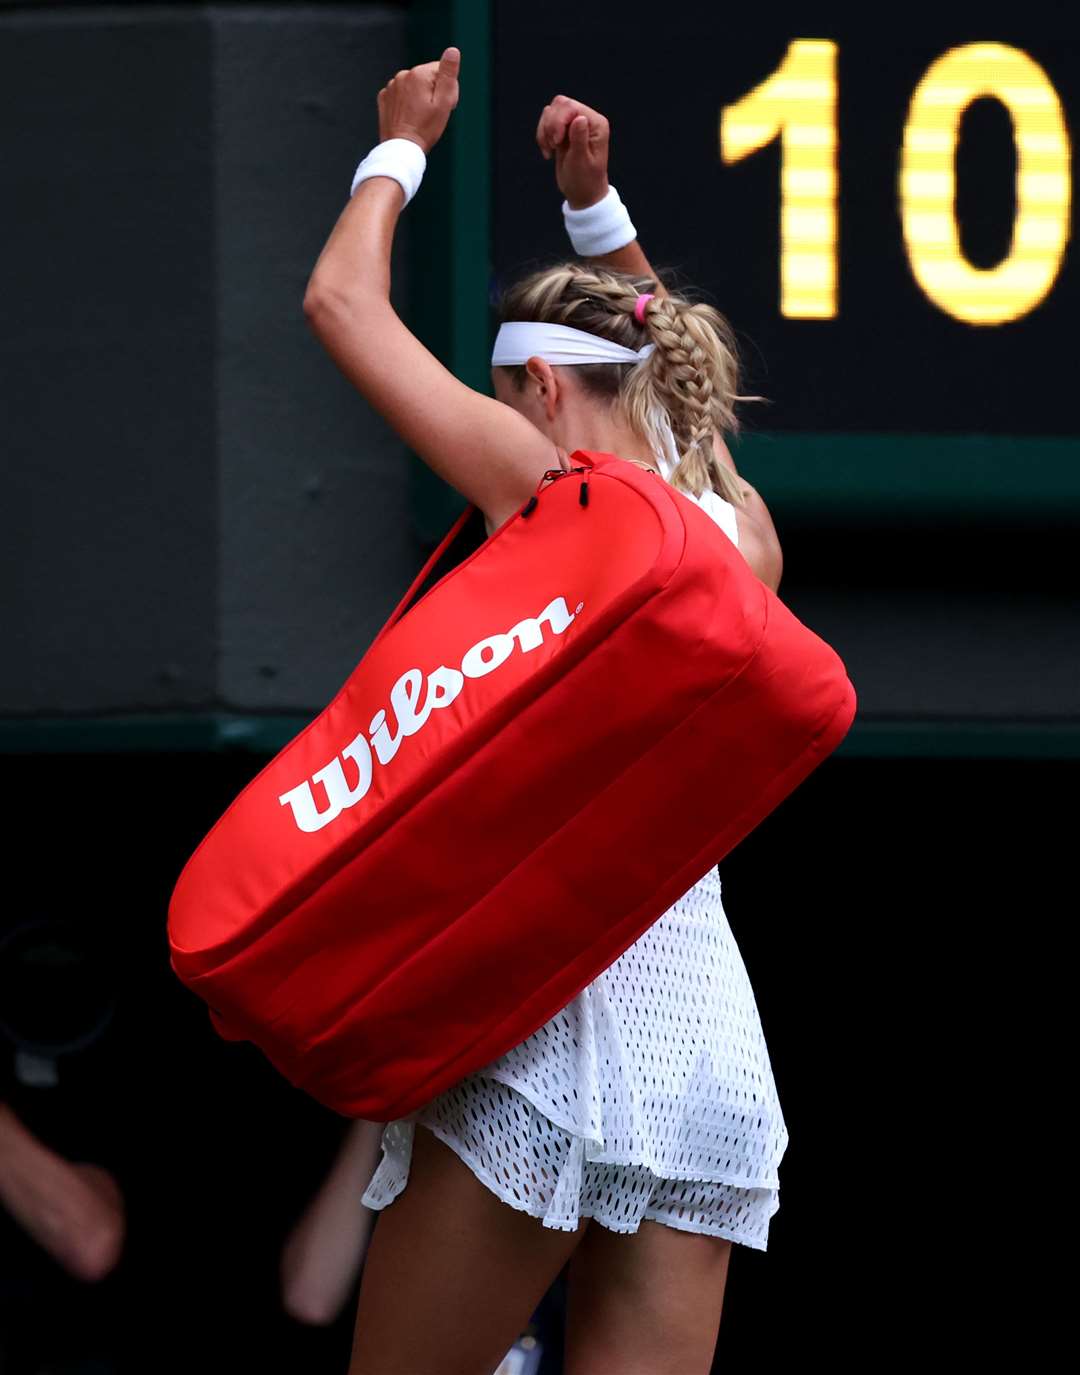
(579, 134)
(449, 65)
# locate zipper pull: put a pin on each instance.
(553, 475)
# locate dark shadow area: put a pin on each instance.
(907, 981)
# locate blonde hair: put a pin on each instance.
(692, 374)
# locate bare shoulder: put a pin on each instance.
(758, 540)
(759, 543)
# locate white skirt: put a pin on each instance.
(650, 1095)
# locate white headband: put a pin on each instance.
(519, 340)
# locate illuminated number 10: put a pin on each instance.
(798, 102)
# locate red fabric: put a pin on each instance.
(531, 827)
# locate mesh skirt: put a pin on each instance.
(541, 1168)
(649, 1096)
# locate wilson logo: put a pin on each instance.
(411, 715)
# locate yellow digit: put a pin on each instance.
(798, 102)
(985, 296)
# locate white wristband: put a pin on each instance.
(399, 158)
(599, 228)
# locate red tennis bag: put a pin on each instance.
(561, 736)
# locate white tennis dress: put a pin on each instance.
(650, 1095)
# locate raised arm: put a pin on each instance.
(578, 138)
(486, 450)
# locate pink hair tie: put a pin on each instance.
(639, 306)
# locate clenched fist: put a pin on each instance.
(578, 137)
(418, 101)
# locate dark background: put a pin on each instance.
(204, 527)
(199, 511)
(910, 973)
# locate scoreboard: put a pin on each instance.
(797, 105)
(886, 217)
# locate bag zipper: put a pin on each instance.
(553, 474)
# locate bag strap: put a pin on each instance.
(441, 549)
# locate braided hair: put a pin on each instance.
(692, 373)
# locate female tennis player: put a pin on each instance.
(636, 1136)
